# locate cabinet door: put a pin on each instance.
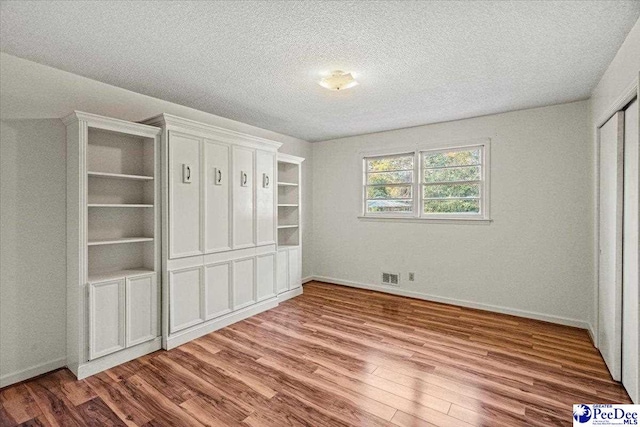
(217, 209)
(266, 269)
(243, 283)
(106, 318)
(142, 309)
(217, 290)
(185, 298)
(295, 273)
(242, 184)
(184, 195)
(265, 197)
(282, 271)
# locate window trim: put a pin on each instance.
(484, 216)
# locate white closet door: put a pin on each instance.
(282, 269)
(218, 286)
(184, 195)
(185, 298)
(266, 268)
(106, 318)
(295, 275)
(142, 309)
(265, 197)
(243, 201)
(631, 252)
(217, 207)
(243, 283)
(610, 242)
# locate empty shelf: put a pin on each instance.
(114, 205)
(120, 176)
(120, 274)
(287, 184)
(289, 226)
(290, 205)
(116, 241)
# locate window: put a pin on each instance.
(389, 184)
(446, 183)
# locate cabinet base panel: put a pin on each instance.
(94, 366)
(289, 294)
(207, 327)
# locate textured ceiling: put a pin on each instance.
(258, 62)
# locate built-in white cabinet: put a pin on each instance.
(266, 280)
(141, 302)
(217, 289)
(186, 302)
(219, 227)
(113, 236)
(289, 226)
(107, 318)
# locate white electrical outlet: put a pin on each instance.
(412, 277)
(392, 279)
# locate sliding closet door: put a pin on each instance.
(630, 292)
(610, 243)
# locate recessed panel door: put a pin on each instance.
(142, 309)
(265, 197)
(217, 207)
(610, 243)
(184, 195)
(106, 318)
(243, 197)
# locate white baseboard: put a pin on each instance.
(106, 362)
(592, 334)
(463, 303)
(31, 372)
(289, 294)
(307, 279)
(205, 328)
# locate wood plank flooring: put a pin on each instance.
(337, 356)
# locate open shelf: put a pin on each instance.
(116, 241)
(287, 184)
(119, 274)
(115, 205)
(287, 205)
(120, 176)
(288, 226)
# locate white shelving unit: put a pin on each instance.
(113, 229)
(289, 262)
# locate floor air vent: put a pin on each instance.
(392, 279)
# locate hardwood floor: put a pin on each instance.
(337, 356)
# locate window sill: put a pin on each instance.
(475, 221)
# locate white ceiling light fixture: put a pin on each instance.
(338, 80)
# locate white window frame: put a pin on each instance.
(484, 216)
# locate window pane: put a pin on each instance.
(452, 158)
(389, 206)
(451, 206)
(468, 173)
(381, 164)
(390, 177)
(458, 190)
(394, 192)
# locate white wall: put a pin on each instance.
(535, 259)
(33, 247)
(32, 196)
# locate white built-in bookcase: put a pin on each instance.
(289, 257)
(113, 232)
